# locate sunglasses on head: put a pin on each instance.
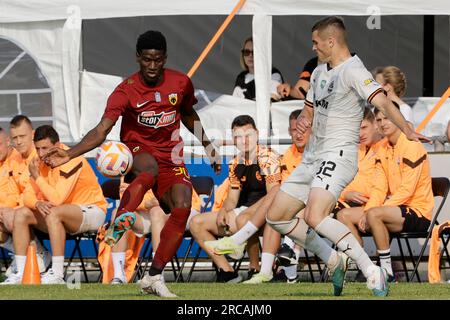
(247, 52)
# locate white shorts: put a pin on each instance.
(332, 172)
(144, 214)
(147, 224)
(193, 214)
(238, 211)
(93, 218)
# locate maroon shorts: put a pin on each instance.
(171, 168)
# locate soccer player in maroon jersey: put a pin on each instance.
(151, 102)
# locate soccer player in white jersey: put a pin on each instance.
(334, 108)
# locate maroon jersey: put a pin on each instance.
(151, 115)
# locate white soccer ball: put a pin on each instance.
(114, 159)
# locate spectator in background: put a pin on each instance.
(377, 74)
(393, 81)
(244, 86)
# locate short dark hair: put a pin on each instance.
(243, 120)
(18, 120)
(294, 114)
(46, 131)
(151, 40)
(334, 21)
(368, 114)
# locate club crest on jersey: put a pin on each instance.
(173, 98)
(368, 81)
(322, 84)
(156, 120)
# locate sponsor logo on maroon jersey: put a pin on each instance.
(153, 120)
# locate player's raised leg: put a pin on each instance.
(144, 172)
(178, 199)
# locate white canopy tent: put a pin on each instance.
(51, 33)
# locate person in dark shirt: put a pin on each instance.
(252, 174)
(244, 86)
(298, 91)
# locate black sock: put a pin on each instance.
(154, 271)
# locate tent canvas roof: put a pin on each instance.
(44, 10)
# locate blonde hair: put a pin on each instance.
(396, 78)
(242, 61)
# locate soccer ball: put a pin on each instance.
(114, 159)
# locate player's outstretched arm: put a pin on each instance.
(382, 103)
(91, 140)
(190, 120)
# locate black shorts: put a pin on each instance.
(342, 205)
(413, 223)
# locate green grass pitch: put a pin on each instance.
(214, 291)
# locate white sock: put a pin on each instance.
(118, 259)
(267, 260)
(321, 248)
(20, 262)
(8, 244)
(58, 265)
(341, 235)
(244, 233)
(289, 242)
(306, 237)
(385, 260)
(291, 271)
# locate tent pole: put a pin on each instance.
(215, 38)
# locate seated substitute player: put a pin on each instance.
(350, 207)
(252, 174)
(335, 262)
(333, 108)
(67, 199)
(9, 194)
(403, 186)
(249, 222)
(152, 102)
(21, 138)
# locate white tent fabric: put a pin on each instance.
(44, 41)
(262, 46)
(70, 69)
(95, 89)
(46, 10)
